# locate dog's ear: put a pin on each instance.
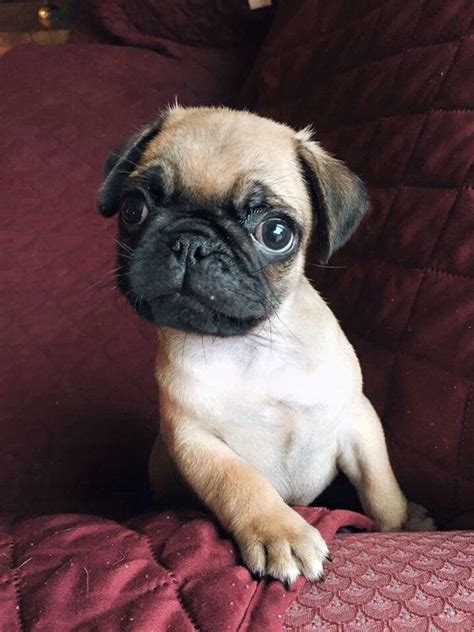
(120, 163)
(339, 197)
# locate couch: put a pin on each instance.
(387, 86)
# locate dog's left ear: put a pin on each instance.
(120, 164)
(338, 196)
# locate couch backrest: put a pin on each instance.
(388, 87)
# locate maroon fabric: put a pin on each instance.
(173, 26)
(173, 571)
(401, 582)
(388, 87)
(78, 408)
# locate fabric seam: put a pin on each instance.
(175, 582)
(16, 584)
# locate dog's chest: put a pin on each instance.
(273, 409)
(238, 376)
(293, 446)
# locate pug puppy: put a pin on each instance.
(260, 392)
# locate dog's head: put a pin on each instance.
(215, 210)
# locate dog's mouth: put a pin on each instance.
(195, 314)
(203, 288)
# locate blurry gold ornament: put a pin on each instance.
(49, 15)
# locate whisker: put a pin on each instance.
(316, 265)
(288, 329)
(115, 270)
(127, 161)
(105, 281)
(184, 345)
(271, 337)
(122, 245)
(104, 287)
(281, 321)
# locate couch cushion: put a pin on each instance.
(388, 87)
(399, 582)
(78, 407)
(174, 571)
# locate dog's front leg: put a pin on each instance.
(273, 539)
(364, 459)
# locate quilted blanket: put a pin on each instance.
(175, 571)
(388, 86)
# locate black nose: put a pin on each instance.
(190, 248)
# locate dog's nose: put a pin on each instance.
(190, 248)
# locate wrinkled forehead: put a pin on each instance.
(221, 154)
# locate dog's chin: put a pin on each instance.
(189, 314)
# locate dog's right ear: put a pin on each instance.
(120, 164)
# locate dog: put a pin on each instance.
(260, 392)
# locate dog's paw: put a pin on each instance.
(418, 519)
(283, 546)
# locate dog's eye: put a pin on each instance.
(134, 211)
(275, 235)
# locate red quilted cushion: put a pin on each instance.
(174, 571)
(389, 88)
